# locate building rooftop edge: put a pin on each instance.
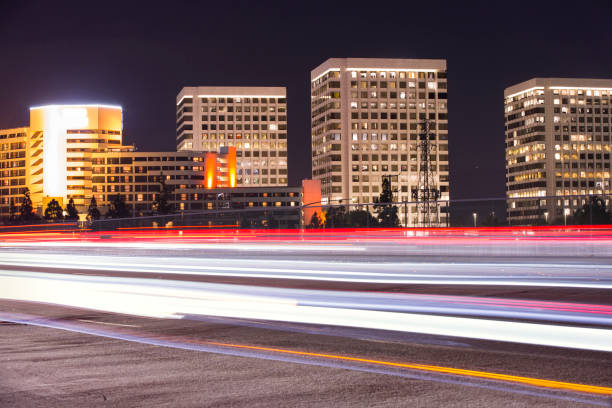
(74, 105)
(555, 81)
(12, 129)
(244, 91)
(380, 63)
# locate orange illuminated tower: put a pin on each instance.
(231, 166)
(210, 170)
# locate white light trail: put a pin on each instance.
(154, 298)
(447, 273)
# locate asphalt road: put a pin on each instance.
(61, 366)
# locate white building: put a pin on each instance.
(558, 135)
(252, 119)
(366, 119)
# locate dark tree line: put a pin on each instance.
(593, 212)
(117, 208)
(339, 217)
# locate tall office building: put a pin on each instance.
(558, 135)
(251, 119)
(367, 117)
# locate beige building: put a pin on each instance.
(251, 119)
(366, 118)
(137, 176)
(14, 175)
(76, 152)
(558, 141)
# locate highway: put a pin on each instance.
(456, 312)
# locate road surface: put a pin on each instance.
(347, 320)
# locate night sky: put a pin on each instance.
(139, 55)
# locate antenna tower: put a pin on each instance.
(426, 194)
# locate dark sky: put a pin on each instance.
(140, 54)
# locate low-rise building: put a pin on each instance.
(76, 152)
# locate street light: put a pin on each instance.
(566, 211)
(474, 215)
(546, 217)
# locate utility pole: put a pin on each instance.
(426, 194)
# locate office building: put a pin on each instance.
(558, 135)
(14, 176)
(251, 119)
(76, 152)
(367, 116)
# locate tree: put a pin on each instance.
(73, 214)
(162, 205)
(54, 211)
(593, 212)
(26, 212)
(360, 218)
(118, 208)
(92, 212)
(315, 221)
(385, 210)
(245, 221)
(12, 211)
(335, 217)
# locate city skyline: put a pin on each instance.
(481, 60)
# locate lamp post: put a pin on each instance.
(565, 212)
(546, 217)
(474, 215)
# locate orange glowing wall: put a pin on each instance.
(311, 196)
(231, 166)
(210, 170)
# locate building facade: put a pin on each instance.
(14, 175)
(558, 141)
(76, 152)
(138, 176)
(251, 119)
(366, 119)
(63, 140)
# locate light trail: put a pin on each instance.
(180, 299)
(548, 274)
(431, 236)
(576, 257)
